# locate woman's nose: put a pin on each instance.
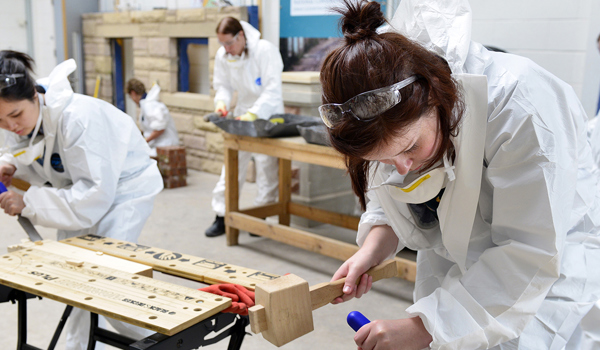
(403, 165)
(11, 126)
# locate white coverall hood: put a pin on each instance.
(252, 35)
(443, 27)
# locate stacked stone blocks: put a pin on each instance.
(172, 165)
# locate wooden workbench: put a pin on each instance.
(111, 277)
(252, 219)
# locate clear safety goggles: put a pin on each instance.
(365, 106)
(232, 41)
(7, 80)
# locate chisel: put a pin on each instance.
(25, 223)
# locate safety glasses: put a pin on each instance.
(7, 80)
(365, 106)
(232, 41)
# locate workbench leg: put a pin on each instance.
(21, 298)
(285, 190)
(238, 331)
(232, 193)
(22, 326)
(59, 328)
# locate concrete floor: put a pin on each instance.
(178, 222)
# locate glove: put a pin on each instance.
(247, 117)
(221, 108)
(241, 298)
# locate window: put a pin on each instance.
(194, 74)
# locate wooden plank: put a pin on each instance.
(325, 216)
(293, 148)
(292, 236)
(79, 254)
(183, 265)
(263, 211)
(156, 305)
(285, 189)
(407, 269)
(232, 193)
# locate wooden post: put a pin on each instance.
(285, 190)
(232, 194)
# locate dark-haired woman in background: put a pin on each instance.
(88, 164)
(480, 162)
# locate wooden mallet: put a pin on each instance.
(283, 310)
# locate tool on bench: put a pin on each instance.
(25, 223)
(283, 310)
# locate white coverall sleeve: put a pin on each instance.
(533, 171)
(157, 114)
(271, 66)
(594, 138)
(221, 82)
(94, 154)
(373, 216)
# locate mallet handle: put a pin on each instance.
(324, 293)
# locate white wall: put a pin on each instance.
(13, 25)
(13, 32)
(44, 42)
(558, 35)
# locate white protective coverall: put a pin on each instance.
(108, 181)
(594, 136)
(256, 77)
(514, 260)
(154, 115)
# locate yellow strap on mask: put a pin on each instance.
(416, 184)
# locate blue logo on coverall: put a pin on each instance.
(258, 82)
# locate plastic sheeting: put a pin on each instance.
(266, 128)
(316, 134)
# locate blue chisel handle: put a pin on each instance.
(356, 320)
(2, 188)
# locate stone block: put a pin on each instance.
(140, 43)
(162, 47)
(143, 76)
(153, 16)
(166, 80)
(183, 122)
(211, 68)
(191, 15)
(212, 166)
(89, 66)
(88, 27)
(106, 88)
(94, 48)
(193, 141)
(92, 15)
(150, 29)
(213, 46)
(116, 17)
(153, 63)
(201, 124)
(215, 142)
(171, 16)
(90, 86)
(103, 64)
